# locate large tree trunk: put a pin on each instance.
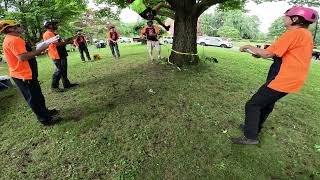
(185, 36)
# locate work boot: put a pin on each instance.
(71, 85)
(52, 121)
(53, 112)
(244, 141)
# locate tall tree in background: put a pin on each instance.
(228, 31)
(232, 21)
(276, 28)
(32, 13)
(210, 23)
(94, 22)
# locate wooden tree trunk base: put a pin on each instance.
(182, 60)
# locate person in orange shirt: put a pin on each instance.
(58, 53)
(292, 53)
(24, 71)
(113, 37)
(81, 43)
(150, 32)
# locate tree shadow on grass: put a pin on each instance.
(127, 87)
(8, 99)
(133, 86)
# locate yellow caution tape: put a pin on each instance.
(182, 53)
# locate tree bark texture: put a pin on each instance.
(184, 45)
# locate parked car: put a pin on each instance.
(166, 40)
(101, 44)
(138, 39)
(215, 41)
(124, 40)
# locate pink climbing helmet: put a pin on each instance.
(307, 13)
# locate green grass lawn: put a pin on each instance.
(134, 120)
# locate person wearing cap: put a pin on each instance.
(291, 53)
(149, 13)
(113, 37)
(24, 71)
(58, 53)
(150, 32)
(81, 43)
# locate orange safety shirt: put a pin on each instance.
(294, 48)
(12, 47)
(52, 50)
(113, 35)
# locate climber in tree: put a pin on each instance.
(148, 13)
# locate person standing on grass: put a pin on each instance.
(58, 53)
(81, 43)
(113, 37)
(24, 70)
(150, 32)
(291, 53)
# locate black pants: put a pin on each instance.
(114, 49)
(61, 72)
(84, 50)
(258, 109)
(32, 93)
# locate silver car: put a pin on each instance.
(215, 41)
(124, 40)
(166, 40)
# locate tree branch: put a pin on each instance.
(167, 14)
(172, 3)
(204, 5)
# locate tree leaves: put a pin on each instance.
(236, 23)
(32, 13)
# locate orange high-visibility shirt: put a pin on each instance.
(294, 47)
(12, 47)
(52, 50)
(113, 35)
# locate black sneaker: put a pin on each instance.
(71, 85)
(57, 90)
(53, 112)
(52, 121)
(244, 141)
